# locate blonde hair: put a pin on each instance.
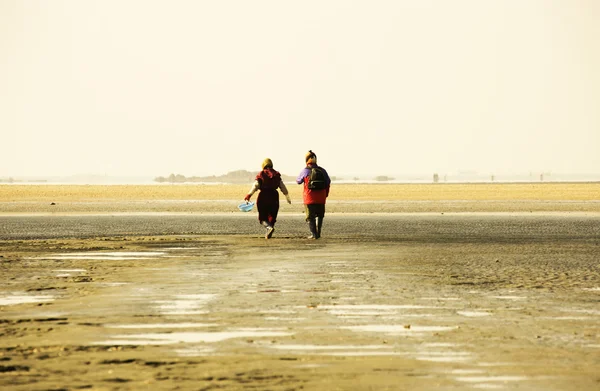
(267, 163)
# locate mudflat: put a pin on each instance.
(481, 287)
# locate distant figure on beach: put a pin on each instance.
(316, 190)
(268, 181)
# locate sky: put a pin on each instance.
(150, 88)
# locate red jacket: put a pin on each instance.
(310, 196)
(269, 179)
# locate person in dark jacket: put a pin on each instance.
(314, 199)
(268, 181)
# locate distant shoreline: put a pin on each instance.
(343, 182)
(243, 177)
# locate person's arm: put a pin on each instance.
(284, 190)
(303, 174)
(328, 183)
(253, 189)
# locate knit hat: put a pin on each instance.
(267, 163)
(311, 157)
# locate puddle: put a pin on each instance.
(445, 356)
(97, 258)
(283, 319)
(565, 317)
(117, 256)
(355, 354)
(23, 299)
(185, 304)
(494, 364)
(381, 307)
(123, 253)
(362, 310)
(404, 316)
(311, 366)
(341, 350)
(597, 289)
(442, 352)
(485, 379)
(345, 282)
(441, 298)
(441, 345)
(197, 296)
(160, 325)
(473, 314)
(67, 272)
(509, 297)
(189, 337)
(278, 312)
(348, 273)
(195, 351)
(400, 329)
(466, 371)
(329, 347)
(592, 312)
(359, 313)
(190, 274)
(132, 342)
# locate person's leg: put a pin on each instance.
(311, 219)
(270, 230)
(273, 212)
(319, 226)
(272, 218)
(268, 206)
(320, 215)
(262, 219)
(263, 210)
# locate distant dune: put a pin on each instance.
(234, 177)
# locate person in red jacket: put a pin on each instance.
(268, 181)
(316, 183)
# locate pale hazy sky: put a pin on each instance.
(123, 87)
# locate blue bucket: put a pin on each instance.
(246, 206)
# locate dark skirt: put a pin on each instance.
(268, 206)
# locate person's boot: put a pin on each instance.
(312, 225)
(269, 230)
(319, 227)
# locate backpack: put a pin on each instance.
(317, 179)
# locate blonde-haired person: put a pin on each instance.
(267, 182)
(316, 183)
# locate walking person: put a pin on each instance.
(267, 182)
(316, 183)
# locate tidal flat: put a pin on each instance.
(131, 288)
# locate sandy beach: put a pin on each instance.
(417, 287)
(345, 198)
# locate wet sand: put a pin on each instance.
(123, 299)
